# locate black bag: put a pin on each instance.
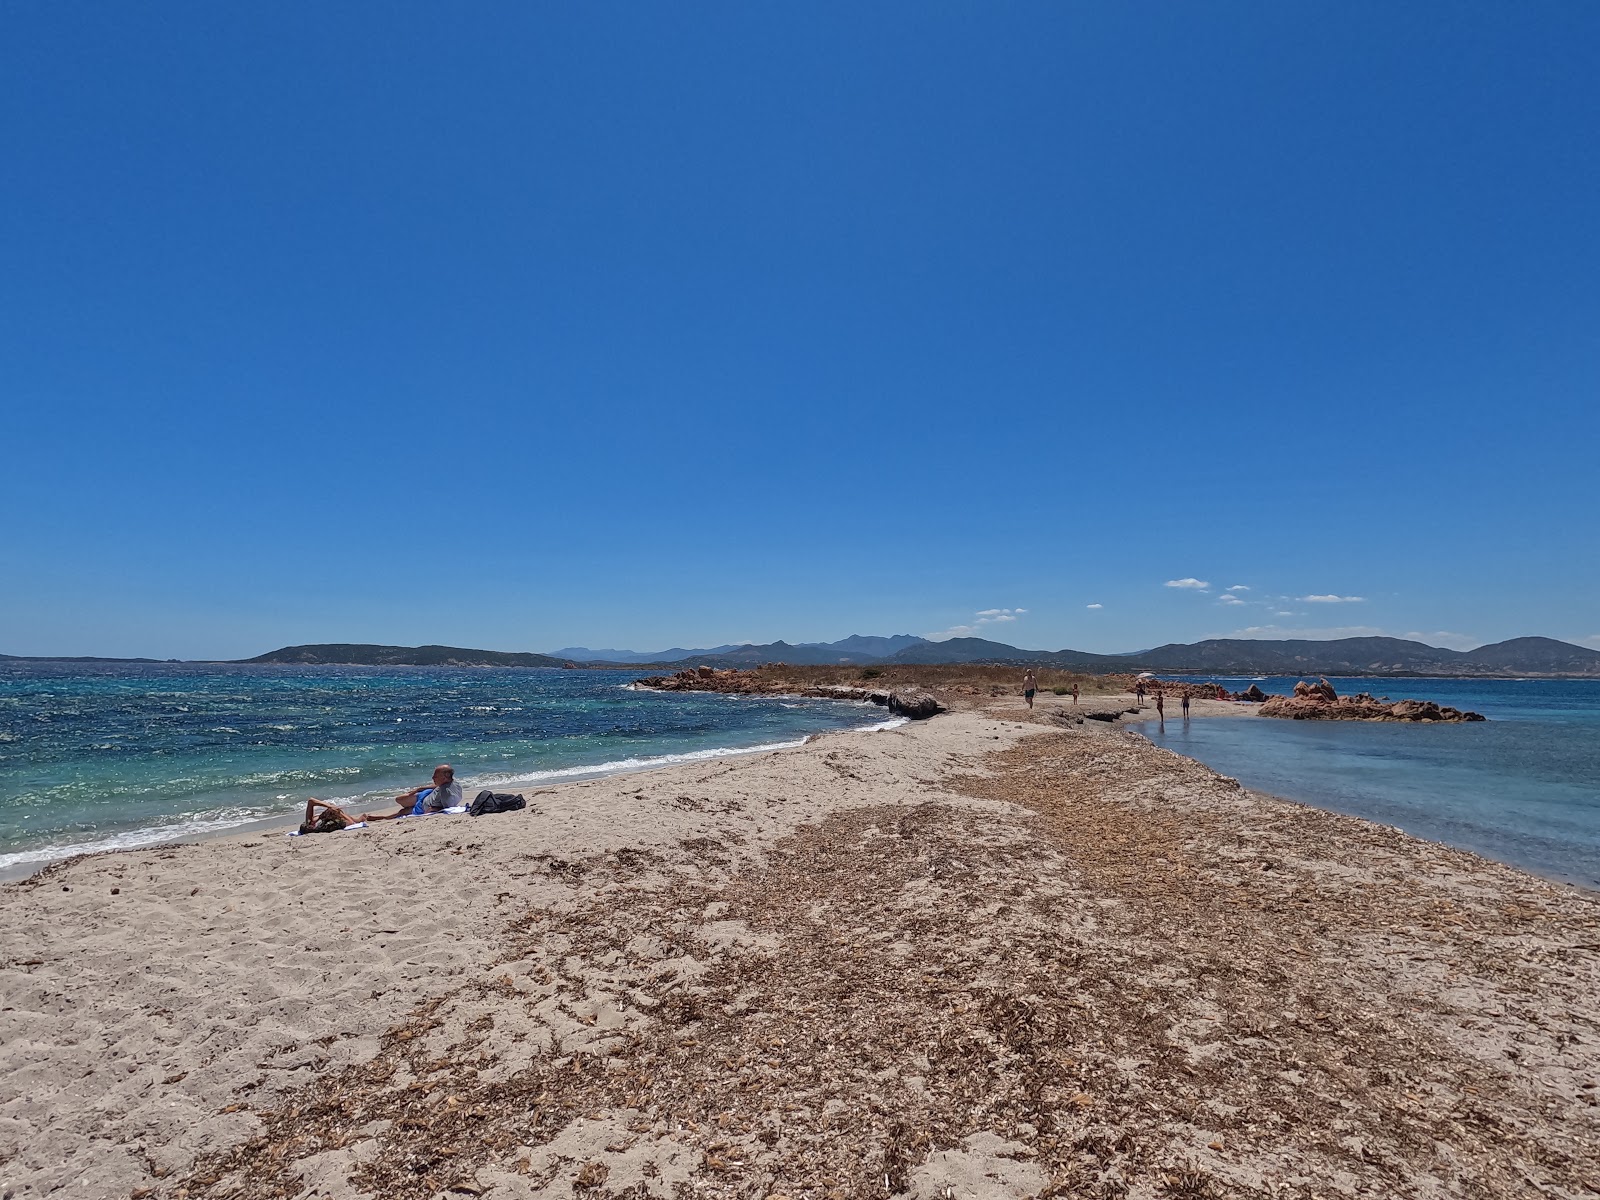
(496, 802)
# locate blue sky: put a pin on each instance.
(522, 326)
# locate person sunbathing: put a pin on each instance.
(444, 792)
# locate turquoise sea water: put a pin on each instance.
(97, 757)
(1524, 787)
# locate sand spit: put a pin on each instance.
(996, 954)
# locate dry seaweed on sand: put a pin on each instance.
(1131, 979)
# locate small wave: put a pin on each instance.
(881, 726)
(296, 775)
(622, 766)
(131, 840)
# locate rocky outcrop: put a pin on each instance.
(914, 703)
(1253, 694)
(910, 702)
(704, 679)
(1319, 702)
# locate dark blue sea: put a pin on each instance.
(100, 757)
(1524, 787)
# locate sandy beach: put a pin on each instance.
(995, 954)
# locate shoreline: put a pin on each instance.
(1068, 955)
(290, 818)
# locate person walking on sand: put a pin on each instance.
(1074, 695)
(1138, 692)
(1029, 686)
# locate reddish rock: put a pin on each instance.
(1319, 702)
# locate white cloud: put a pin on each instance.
(1443, 637)
(983, 617)
(1239, 587)
(1331, 599)
(1286, 613)
(1229, 600)
(1198, 585)
(1094, 605)
(1592, 641)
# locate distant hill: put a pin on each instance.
(855, 649)
(676, 654)
(754, 656)
(966, 650)
(83, 658)
(1340, 656)
(357, 655)
(1526, 656)
(874, 647)
(1536, 655)
(981, 650)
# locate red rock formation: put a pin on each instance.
(1319, 702)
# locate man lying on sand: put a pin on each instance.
(443, 793)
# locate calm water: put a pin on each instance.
(1523, 788)
(101, 757)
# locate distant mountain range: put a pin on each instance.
(1527, 656)
(857, 648)
(676, 654)
(361, 655)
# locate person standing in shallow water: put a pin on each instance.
(1161, 706)
(1029, 686)
(1186, 706)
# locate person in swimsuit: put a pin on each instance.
(1186, 706)
(1029, 686)
(1074, 695)
(444, 792)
